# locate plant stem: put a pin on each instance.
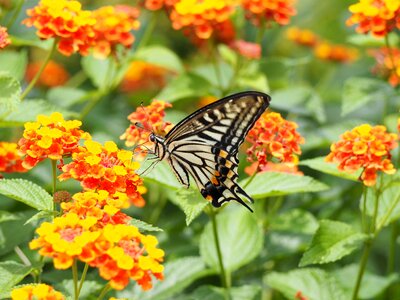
(251, 178)
(91, 104)
(363, 264)
(392, 248)
(35, 79)
(54, 176)
(363, 215)
(104, 291)
(83, 277)
(75, 279)
(149, 30)
(15, 14)
(22, 256)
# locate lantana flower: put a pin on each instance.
(376, 16)
(274, 140)
(151, 118)
(10, 159)
(4, 39)
(336, 53)
(64, 20)
(158, 4)
(302, 37)
(262, 12)
(39, 291)
(200, 17)
(50, 137)
(365, 147)
(113, 26)
(247, 49)
(106, 168)
(53, 74)
(142, 75)
(387, 64)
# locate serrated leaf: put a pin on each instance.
(10, 93)
(269, 184)
(143, 226)
(209, 292)
(178, 275)
(163, 175)
(240, 240)
(191, 202)
(14, 63)
(321, 165)
(28, 110)
(186, 85)
(332, 241)
(359, 91)
(371, 285)
(160, 56)
(11, 273)
(26, 192)
(295, 220)
(44, 214)
(311, 283)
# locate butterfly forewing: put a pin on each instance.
(206, 143)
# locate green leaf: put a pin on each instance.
(160, 56)
(21, 42)
(371, 285)
(6, 216)
(332, 241)
(178, 275)
(143, 226)
(43, 214)
(10, 93)
(65, 96)
(321, 165)
(26, 192)
(269, 184)
(240, 239)
(228, 54)
(191, 202)
(28, 110)
(209, 292)
(98, 70)
(311, 283)
(295, 220)
(11, 273)
(254, 81)
(186, 85)
(359, 91)
(163, 175)
(14, 63)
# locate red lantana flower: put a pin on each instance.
(4, 39)
(53, 74)
(10, 159)
(262, 12)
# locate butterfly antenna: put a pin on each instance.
(150, 167)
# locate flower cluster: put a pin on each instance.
(4, 39)
(120, 252)
(151, 119)
(113, 26)
(303, 37)
(10, 160)
(274, 138)
(105, 168)
(200, 17)
(261, 12)
(36, 291)
(158, 4)
(142, 75)
(53, 74)
(65, 20)
(387, 64)
(50, 137)
(376, 16)
(367, 148)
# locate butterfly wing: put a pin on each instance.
(205, 145)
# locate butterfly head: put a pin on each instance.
(159, 147)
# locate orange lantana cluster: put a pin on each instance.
(10, 159)
(322, 49)
(120, 251)
(367, 148)
(50, 137)
(142, 75)
(106, 168)
(158, 4)
(262, 12)
(53, 74)
(274, 138)
(387, 64)
(247, 49)
(79, 30)
(4, 39)
(150, 119)
(113, 27)
(376, 16)
(36, 291)
(200, 17)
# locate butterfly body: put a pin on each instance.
(205, 145)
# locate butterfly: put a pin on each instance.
(205, 145)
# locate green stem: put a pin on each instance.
(54, 176)
(83, 277)
(392, 248)
(149, 31)
(213, 54)
(22, 256)
(251, 178)
(363, 215)
(75, 279)
(105, 290)
(363, 264)
(35, 79)
(76, 80)
(15, 14)
(91, 104)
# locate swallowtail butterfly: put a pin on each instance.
(205, 145)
